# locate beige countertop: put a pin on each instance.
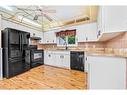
(108, 52)
(104, 54)
(99, 51)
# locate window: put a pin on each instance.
(62, 40)
(67, 37)
(66, 40)
(71, 40)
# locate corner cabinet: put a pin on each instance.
(112, 19)
(57, 58)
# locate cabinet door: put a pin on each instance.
(100, 21)
(47, 58)
(55, 60)
(81, 32)
(106, 72)
(115, 18)
(42, 38)
(49, 37)
(92, 31)
(66, 61)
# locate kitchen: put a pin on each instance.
(84, 47)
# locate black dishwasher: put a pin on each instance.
(77, 60)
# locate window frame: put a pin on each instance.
(69, 45)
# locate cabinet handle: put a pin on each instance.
(99, 33)
(61, 56)
(86, 58)
(86, 38)
(49, 55)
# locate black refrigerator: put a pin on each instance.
(16, 55)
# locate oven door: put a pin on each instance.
(37, 57)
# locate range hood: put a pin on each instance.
(35, 38)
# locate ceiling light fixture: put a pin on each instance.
(28, 21)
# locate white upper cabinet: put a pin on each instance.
(49, 37)
(87, 32)
(91, 32)
(112, 19)
(42, 38)
(81, 32)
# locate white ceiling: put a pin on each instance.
(66, 12)
(63, 13)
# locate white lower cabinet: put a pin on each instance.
(66, 61)
(48, 57)
(57, 58)
(106, 72)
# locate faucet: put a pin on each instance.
(66, 47)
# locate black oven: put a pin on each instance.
(37, 57)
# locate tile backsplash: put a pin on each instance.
(91, 44)
(117, 42)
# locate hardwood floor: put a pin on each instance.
(46, 77)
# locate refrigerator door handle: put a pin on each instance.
(20, 42)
